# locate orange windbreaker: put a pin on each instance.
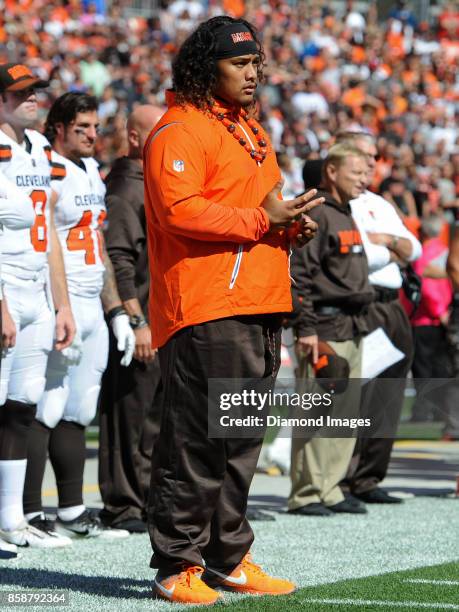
(209, 251)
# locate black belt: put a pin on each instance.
(384, 294)
(332, 311)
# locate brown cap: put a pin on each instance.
(14, 77)
(331, 370)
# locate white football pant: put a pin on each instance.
(72, 391)
(22, 376)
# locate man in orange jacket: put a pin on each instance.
(219, 239)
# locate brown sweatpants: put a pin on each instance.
(128, 428)
(200, 486)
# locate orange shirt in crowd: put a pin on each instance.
(413, 224)
(358, 55)
(354, 97)
(15, 7)
(235, 8)
(396, 43)
(399, 105)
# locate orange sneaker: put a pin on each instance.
(186, 587)
(248, 577)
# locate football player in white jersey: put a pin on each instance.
(15, 213)
(31, 317)
(70, 399)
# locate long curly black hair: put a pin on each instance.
(194, 69)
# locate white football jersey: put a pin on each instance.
(80, 211)
(28, 167)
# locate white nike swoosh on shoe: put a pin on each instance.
(167, 592)
(240, 580)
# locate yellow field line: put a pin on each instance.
(86, 489)
(412, 455)
(425, 444)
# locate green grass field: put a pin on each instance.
(337, 563)
(428, 588)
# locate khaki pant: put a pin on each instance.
(319, 464)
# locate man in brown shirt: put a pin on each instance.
(331, 291)
(129, 405)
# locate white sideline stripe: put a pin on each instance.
(426, 581)
(386, 604)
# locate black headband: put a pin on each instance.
(233, 40)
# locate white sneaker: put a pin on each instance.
(279, 453)
(35, 537)
(88, 525)
(8, 551)
(42, 523)
(114, 534)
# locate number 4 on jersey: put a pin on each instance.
(80, 238)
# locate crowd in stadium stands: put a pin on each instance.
(328, 69)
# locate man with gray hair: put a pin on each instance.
(129, 409)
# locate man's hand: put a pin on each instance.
(8, 328)
(302, 231)
(308, 346)
(65, 328)
(143, 351)
(125, 337)
(394, 258)
(282, 213)
(402, 247)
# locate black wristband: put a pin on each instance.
(114, 312)
(137, 321)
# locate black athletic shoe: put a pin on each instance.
(253, 514)
(133, 525)
(348, 507)
(351, 499)
(88, 525)
(315, 509)
(378, 496)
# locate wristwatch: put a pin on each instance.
(137, 321)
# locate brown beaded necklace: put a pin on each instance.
(258, 155)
